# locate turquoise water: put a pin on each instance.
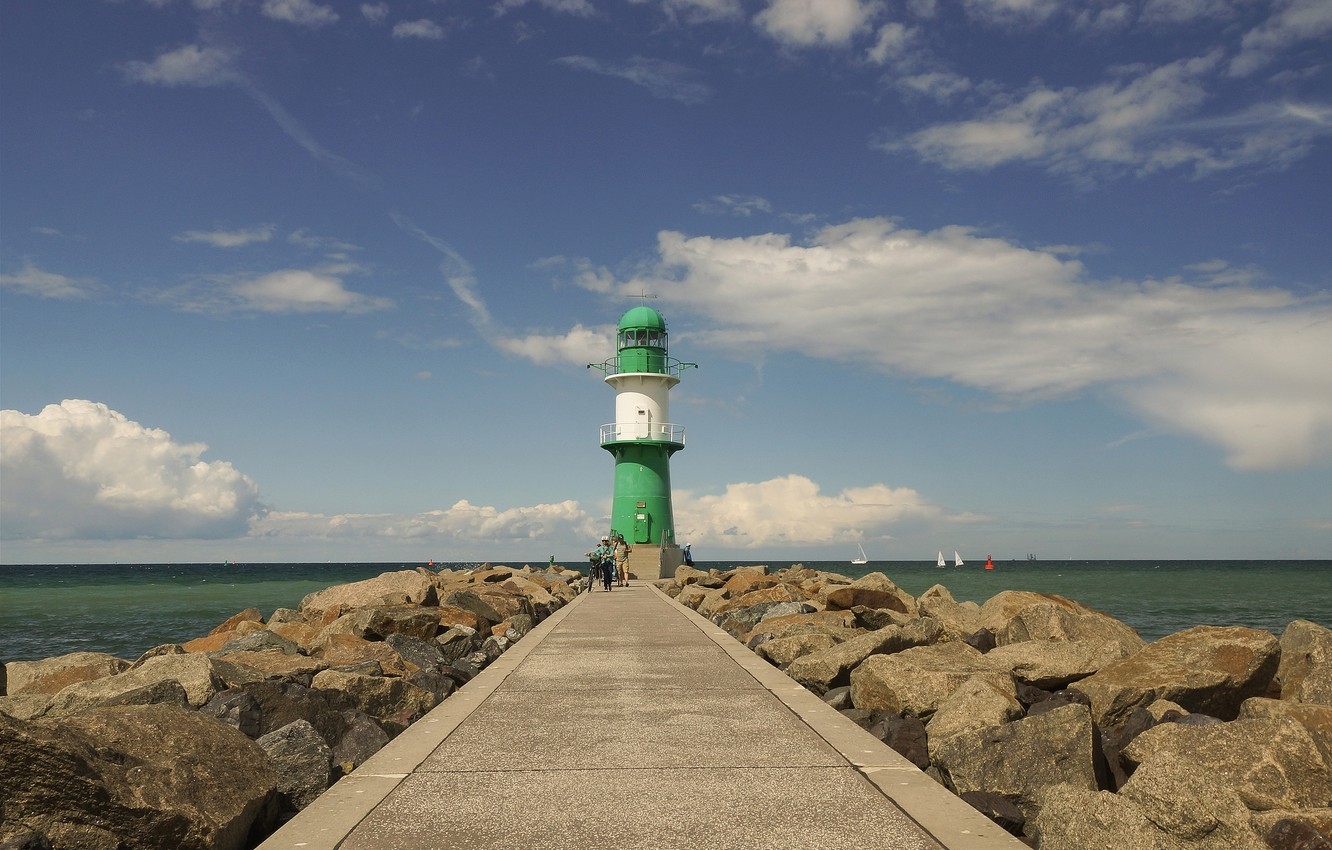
(126, 609)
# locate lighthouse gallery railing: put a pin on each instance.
(664, 432)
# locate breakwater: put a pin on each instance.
(1058, 721)
(212, 743)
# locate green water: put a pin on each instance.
(126, 609)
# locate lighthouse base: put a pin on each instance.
(650, 563)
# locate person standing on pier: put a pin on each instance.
(621, 560)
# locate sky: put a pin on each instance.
(319, 280)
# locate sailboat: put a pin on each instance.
(942, 562)
(957, 559)
(862, 559)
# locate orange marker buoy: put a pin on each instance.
(989, 562)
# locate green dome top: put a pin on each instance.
(642, 318)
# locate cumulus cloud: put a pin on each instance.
(1112, 123)
(424, 28)
(1293, 21)
(302, 12)
(792, 511)
(190, 65)
(665, 80)
(79, 470)
(374, 12)
(579, 346)
(228, 238)
(31, 280)
(808, 23)
(1145, 120)
(1023, 324)
(319, 290)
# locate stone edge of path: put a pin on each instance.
(941, 814)
(331, 818)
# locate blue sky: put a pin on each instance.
(303, 280)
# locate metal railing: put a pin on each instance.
(660, 432)
(670, 366)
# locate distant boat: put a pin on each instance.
(957, 559)
(862, 559)
(942, 562)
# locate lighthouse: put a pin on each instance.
(642, 439)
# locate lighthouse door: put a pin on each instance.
(642, 527)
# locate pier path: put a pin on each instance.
(625, 721)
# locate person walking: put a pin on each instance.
(622, 551)
(607, 562)
(596, 558)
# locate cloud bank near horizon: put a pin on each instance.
(79, 470)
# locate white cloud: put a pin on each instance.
(698, 11)
(791, 511)
(374, 12)
(228, 238)
(1138, 123)
(665, 80)
(190, 65)
(81, 470)
(463, 523)
(31, 280)
(806, 23)
(982, 312)
(739, 205)
(577, 8)
(303, 12)
(423, 28)
(1002, 12)
(1294, 21)
(890, 43)
(318, 290)
(579, 346)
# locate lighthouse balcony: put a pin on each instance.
(642, 363)
(653, 432)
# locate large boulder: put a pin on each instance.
(146, 776)
(198, 674)
(1206, 669)
(52, 675)
(958, 618)
(917, 680)
(1270, 764)
(303, 762)
(1305, 671)
(1193, 806)
(343, 649)
(875, 590)
(979, 703)
(1074, 818)
(378, 622)
(828, 668)
(1022, 759)
(385, 589)
(1054, 664)
(782, 651)
(840, 625)
(388, 699)
(1314, 717)
(1057, 621)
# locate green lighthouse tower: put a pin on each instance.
(642, 439)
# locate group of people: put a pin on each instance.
(610, 562)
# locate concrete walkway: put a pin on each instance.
(628, 721)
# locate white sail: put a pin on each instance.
(957, 559)
(942, 562)
(862, 559)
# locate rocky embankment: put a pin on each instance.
(213, 743)
(1056, 720)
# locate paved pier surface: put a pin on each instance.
(628, 721)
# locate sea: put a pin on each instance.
(127, 609)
